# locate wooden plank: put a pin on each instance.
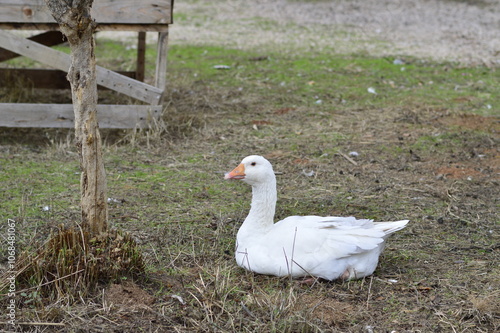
(49, 38)
(34, 78)
(100, 27)
(141, 56)
(59, 60)
(41, 78)
(62, 115)
(161, 61)
(103, 11)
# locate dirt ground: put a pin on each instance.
(440, 274)
(458, 30)
(464, 31)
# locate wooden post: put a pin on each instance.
(141, 56)
(161, 62)
(76, 23)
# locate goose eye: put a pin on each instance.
(253, 164)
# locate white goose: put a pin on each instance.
(325, 247)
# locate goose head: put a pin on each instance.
(253, 170)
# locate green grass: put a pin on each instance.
(40, 184)
(169, 193)
(341, 80)
(338, 81)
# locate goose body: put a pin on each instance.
(326, 247)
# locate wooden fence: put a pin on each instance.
(140, 16)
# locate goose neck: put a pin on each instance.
(263, 204)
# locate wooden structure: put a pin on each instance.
(140, 16)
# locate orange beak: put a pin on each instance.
(237, 173)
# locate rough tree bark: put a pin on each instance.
(76, 23)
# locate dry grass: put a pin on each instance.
(431, 162)
(430, 278)
(69, 267)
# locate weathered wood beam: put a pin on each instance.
(141, 56)
(63, 116)
(103, 11)
(49, 38)
(60, 60)
(161, 62)
(100, 27)
(42, 78)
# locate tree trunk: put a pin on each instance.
(75, 22)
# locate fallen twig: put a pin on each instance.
(40, 324)
(247, 310)
(347, 158)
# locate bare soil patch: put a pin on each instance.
(326, 309)
(454, 30)
(129, 295)
(474, 122)
(457, 172)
